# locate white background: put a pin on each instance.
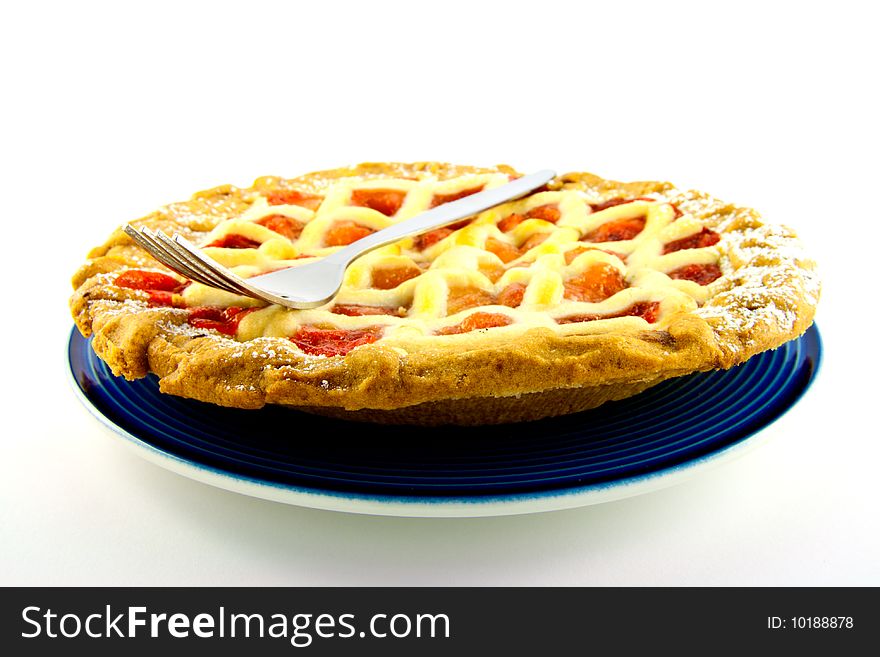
(111, 110)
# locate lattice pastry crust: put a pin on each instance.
(587, 291)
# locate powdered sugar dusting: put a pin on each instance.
(770, 280)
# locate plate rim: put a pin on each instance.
(441, 506)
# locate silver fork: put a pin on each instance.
(314, 284)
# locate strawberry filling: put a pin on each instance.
(598, 207)
(701, 274)
(430, 238)
(477, 321)
(647, 310)
(233, 241)
(548, 213)
(161, 288)
(705, 237)
(440, 199)
(354, 310)
(616, 231)
(224, 320)
(136, 279)
(333, 342)
(293, 197)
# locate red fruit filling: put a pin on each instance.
(705, 237)
(702, 274)
(289, 228)
(430, 238)
(512, 295)
(161, 288)
(462, 298)
(616, 231)
(510, 222)
(354, 310)
(333, 342)
(544, 212)
(343, 233)
(136, 279)
(386, 201)
(233, 241)
(595, 283)
(293, 197)
(440, 199)
(598, 207)
(647, 310)
(477, 321)
(505, 252)
(224, 320)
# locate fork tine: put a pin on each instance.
(144, 242)
(199, 273)
(186, 248)
(189, 262)
(215, 274)
(169, 257)
(164, 255)
(204, 275)
(158, 251)
(231, 280)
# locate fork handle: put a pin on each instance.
(444, 215)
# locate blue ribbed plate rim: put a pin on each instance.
(671, 427)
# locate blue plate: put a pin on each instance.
(621, 449)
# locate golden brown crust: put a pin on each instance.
(769, 298)
(492, 410)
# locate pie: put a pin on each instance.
(585, 291)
